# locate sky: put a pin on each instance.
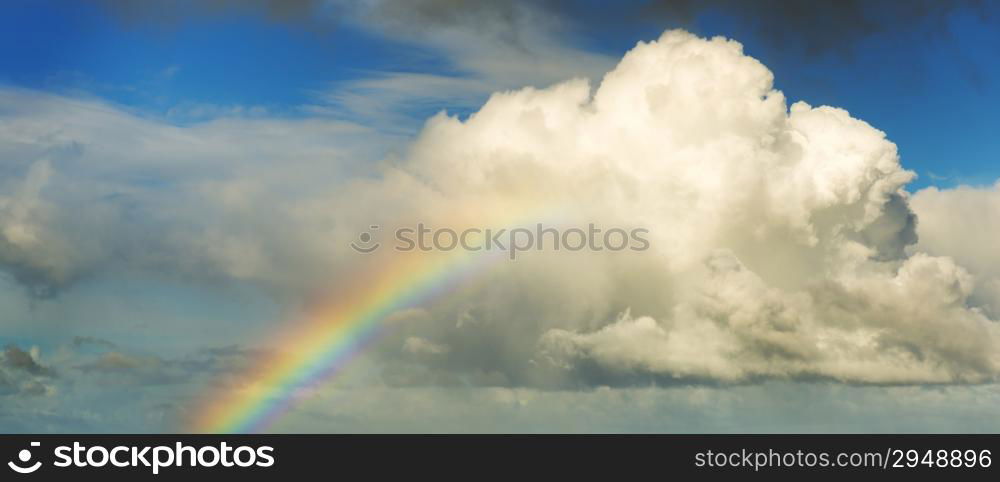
(180, 183)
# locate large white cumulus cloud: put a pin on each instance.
(781, 237)
(778, 234)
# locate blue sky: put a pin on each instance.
(927, 87)
(178, 180)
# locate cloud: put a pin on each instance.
(22, 213)
(482, 47)
(770, 407)
(515, 41)
(90, 187)
(117, 367)
(104, 386)
(778, 243)
(813, 29)
(18, 359)
(823, 26)
(22, 375)
(963, 223)
(781, 237)
(398, 102)
(420, 346)
(79, 341)
(819, 27)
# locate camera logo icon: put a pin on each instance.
(366, 241)
(25, 456)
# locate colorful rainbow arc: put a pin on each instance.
(334, 335)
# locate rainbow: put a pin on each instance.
(320, 346)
